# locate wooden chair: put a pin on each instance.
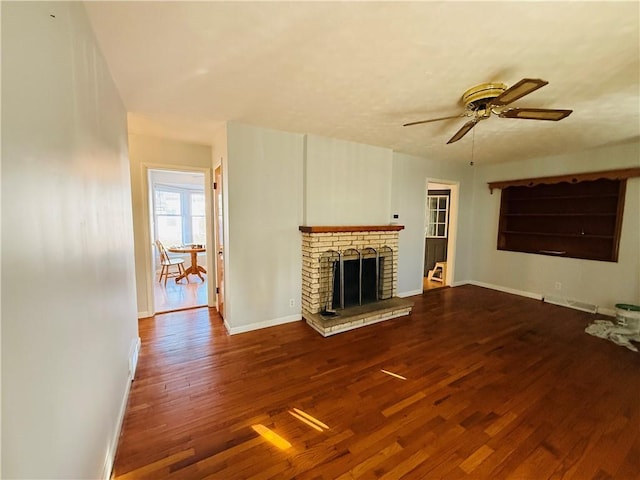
(168, 262)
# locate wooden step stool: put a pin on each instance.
(440, 269)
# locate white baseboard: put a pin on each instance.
(570, 303)
(144, 315)
(522, 293)
(549, 299)
(410, 293)
(113, 445)
(608, 312)
(134, 353)
(258, 325)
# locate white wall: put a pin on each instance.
(409, 188)
(158, 152)
(599, 283)
(68, 291)
(346, 183)
(264, 202)
(179, 179)
(265, 173)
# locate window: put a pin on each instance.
(198, 224)
(437, 216)
(179, 215)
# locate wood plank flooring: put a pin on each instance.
(497, 387)
(431, 285)
(180, 296)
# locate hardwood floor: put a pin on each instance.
(431, 285)
(497, 387)
(180, 296)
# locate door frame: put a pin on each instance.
(454, 188)
(146, 209)
(219, 239)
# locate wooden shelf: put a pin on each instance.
(619, 174)
(549, 234)
(356, 228)
(564, 197)
(578, 220)
(560, 214)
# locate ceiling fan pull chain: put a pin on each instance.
(473, 146)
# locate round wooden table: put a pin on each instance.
(194, 269)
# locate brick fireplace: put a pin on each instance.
(349, 277)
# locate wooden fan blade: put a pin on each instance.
(463, 131)
(433, 120)
(536, 113)
(519, 90)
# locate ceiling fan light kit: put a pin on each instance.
(487, 98)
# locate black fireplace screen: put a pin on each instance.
(355, 277)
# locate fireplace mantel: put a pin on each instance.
(353, 228)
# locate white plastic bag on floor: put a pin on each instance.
(622, 336)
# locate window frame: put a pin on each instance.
(445, 223)
(186, 211)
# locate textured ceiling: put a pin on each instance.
(359, 70)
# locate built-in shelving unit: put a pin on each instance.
(578, 216)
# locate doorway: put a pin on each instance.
(439, 244)
(177, 222)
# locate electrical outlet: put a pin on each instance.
(292, 303)
(558, 286)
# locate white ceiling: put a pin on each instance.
(359, 70)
